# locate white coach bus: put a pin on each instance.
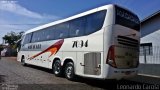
(100, 43)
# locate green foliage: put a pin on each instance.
(12, 38)
(1, 47)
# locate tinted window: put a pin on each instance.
(27, 38)
(77, 27)
(95, 21)
(46, 34)
(37, 36)
(126, 18)
(55, 32)
(74, 28)
(61, 31)
(50, 33)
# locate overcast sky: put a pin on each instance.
(21, 15)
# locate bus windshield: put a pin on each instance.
(127, 19)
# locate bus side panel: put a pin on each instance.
(69, 51)
(108, 34)
(34, 61)
(70, 56)
(80, 63)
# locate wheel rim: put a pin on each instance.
(57, 68)
(69, 71)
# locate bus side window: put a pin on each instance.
(61, 31)
(51, 33)
(77, 27)
(27, 39)
(44, 35)
(95, 22)
(34, 37)
(37, 36)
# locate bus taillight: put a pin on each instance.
(111, 57)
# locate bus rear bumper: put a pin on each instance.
(122, 75)
(114, 73)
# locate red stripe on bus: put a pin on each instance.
(52, 49)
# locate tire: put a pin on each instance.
(69, 71)
(57, 68)
(23, 61)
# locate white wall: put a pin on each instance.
(150, 33)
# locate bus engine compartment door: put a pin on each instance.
(92, 63)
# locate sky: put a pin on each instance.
(21, 15)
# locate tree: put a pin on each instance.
(12, 37)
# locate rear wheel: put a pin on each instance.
(69, 71)
(57, 69)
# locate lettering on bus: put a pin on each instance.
(127, 15)
(80, 44)
(36, 46)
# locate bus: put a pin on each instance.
(101, 43)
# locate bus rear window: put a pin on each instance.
(127, 19)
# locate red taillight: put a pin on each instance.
(111, 57)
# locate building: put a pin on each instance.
(150, 45)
